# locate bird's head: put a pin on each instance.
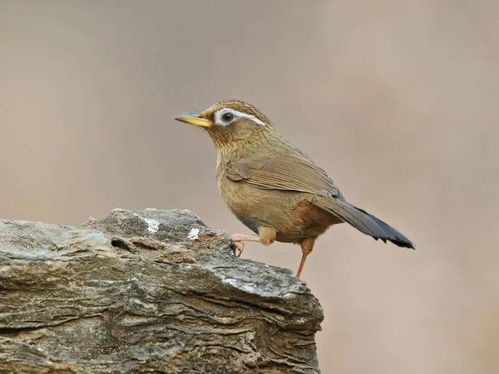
(230, 122)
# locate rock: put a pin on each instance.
(151, 291)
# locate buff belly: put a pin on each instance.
(291, 214)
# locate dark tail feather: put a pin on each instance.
(365, 222)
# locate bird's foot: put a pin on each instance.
(240, 239)
(238, 248)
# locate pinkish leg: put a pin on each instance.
(240, 239)
(244, 238)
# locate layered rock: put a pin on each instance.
(151, 291)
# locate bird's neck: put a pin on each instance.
(247, 148)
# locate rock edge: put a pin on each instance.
(153, 291)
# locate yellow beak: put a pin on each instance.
(194, 119)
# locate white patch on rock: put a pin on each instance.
(152, 225)
(241, 285)
(193, 234)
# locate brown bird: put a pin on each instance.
(272, 187)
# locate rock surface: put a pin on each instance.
(151, 291)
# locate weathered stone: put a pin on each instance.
(151, 291)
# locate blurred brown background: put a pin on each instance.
(397, 100)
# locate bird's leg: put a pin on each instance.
(240, 239)
(244, 238)
(306, 247)
(266, 236)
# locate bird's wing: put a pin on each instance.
(294, 172)
(288, 172)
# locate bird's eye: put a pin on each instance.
(228, 116)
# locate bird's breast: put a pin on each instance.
(249, 204)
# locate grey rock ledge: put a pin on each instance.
(151, 291)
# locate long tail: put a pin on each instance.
(364, 222)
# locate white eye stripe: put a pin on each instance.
(236, 114)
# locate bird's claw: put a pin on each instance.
(240, 239)
(238, 248)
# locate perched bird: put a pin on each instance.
(272, 187)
